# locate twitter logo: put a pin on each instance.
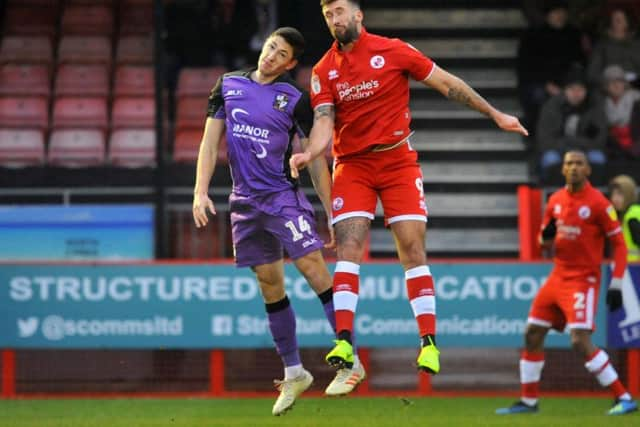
(27, 327)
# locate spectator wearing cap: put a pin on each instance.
(570, 120)
(545, 54)
(618, 105)
(618, 46)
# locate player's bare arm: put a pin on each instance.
(319, 138)
(321, 179)
(457, 90)
(207, 156)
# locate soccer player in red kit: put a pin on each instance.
(360, 95)
(577, 220)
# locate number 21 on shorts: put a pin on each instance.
(579, 305)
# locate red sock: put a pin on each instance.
(346, 281)
(531, 364)
(422, 298)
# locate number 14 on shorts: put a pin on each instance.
(296, 232)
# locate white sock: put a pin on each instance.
(291, 372)
(529, 400)
(600, 366)
(356, 361)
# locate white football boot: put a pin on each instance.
(346, 381)
(290, 390)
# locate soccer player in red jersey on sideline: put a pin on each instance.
(360, 96)
(576, 221)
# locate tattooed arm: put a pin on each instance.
(319, 138)
(457, 90)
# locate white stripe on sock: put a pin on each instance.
(343, 300)
(530, 372)
(347, 267)
(421, 270)
(423, 305)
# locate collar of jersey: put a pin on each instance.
(281, 78)
(587, 186)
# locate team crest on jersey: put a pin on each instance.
(280, 102)
(557, 209)
(584, 212)
(333, 74)
(315, 84)
(612, 213)
(338, 203)
(377, 62)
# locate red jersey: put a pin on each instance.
(369, 88)
(583, 220)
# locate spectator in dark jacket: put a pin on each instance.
(618, 46)
(570, 120)
(544, 57)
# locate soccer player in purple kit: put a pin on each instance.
(261, 110)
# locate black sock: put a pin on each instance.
(345, 335)
(326, 296)
(274, 307)
(424, 340)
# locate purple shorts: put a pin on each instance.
(260, 237)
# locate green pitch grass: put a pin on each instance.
(308, 412)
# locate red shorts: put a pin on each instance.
(393, 175)
(566, 301)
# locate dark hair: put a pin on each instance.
(355, 3)
(293, 37)
(550, 5)
(576, 150)
(632, 22)
(575, 75)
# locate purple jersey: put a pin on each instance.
(261, 121)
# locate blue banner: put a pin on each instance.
(624, 324)
(79, 232)
(220, 306)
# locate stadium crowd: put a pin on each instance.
(578, 70)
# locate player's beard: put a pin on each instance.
(350, 34)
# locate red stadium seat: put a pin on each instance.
(133, 113)
(82, 80)
(187, 145)
(26, 50)
(191, 112)
(87, 20)
(81, 113)
(76, 148)
(136, 19)
(198, 81)
(29, 113)
(20, 148)
(134, 81)
(35, 21)
(134, 50)
(133, 148)
(24, 80)
(84, 50)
